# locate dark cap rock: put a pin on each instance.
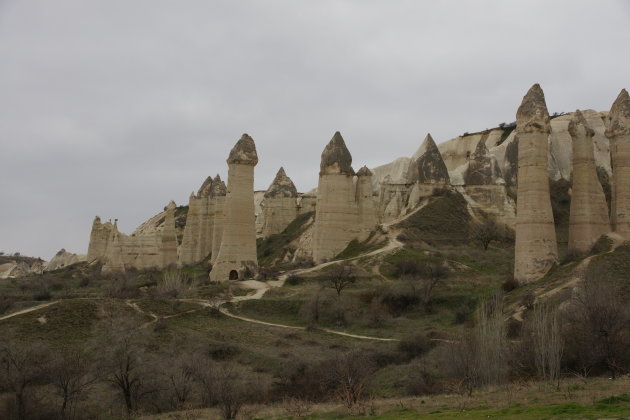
(428, 167)
(579, 126)
(282, 186)
(618, 122)
(532, 115)
(244, 152)
(336, 158)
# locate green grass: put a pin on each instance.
(271, 250)
(356, 248)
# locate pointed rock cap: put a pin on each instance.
(578, 126)
(206, 188)
(244, 152)
(336, 158)
(532, 115)
(428, 167)
(97, 220)
(482, 167)
(364, 171)
(282, 186)
(170, 206)
(618, 123)
(427, 143)
(218, 187)
(481, 150)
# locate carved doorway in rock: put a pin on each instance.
(233, 275)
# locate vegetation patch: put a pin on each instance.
(271, 250)
(444, 220)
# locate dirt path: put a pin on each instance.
(31, 309)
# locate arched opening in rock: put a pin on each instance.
(233, 275)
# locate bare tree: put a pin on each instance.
(486, 232)
(349, 375)
(122, 361)
(424, 279)
(547, 343)
(71, 376)
(22, 367)
(230, 389)
(340, 277)
(179, 373)
(598, 324)
(491, 337)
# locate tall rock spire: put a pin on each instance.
(336, 213)
(536, 248)
(236, 258)
(589, 212)
(618, 131)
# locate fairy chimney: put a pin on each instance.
(588, 219)
(536, 247)
(279, 205)
(618, 131)
(237, 254)
(336, 209)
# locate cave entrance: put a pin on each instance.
(233, 275)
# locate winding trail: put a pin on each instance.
(260, 288)
(27, 310)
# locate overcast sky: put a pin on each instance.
(115, 107)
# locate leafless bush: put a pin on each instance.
(597, 327)
(547, 343)
(6, 303)
(23, 366)
(486, 232)
(231, 389)
(71, 376)
(121, 286)
(348, 376)
(297, 407)
(173, 283)
(429, 274)
(478, 357)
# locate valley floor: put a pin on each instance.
(575, 399)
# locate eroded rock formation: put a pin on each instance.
(168, 237)
(427, 166)
(536, 247)
(280, 205)
(589, 211)
(237, 258)
(618, 131)
(337, 219)
(482, 168)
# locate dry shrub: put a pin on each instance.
(173, 283)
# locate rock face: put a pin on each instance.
(536, 247)
(618, 131)
(589, 211)
(427, 166)
(198, 235)
(237, 254)
(168, 238)
(219, 193)
(279, 207)
(62, 259)
(366, 217)
(145, 248)
(483, 168)
(337, 219)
